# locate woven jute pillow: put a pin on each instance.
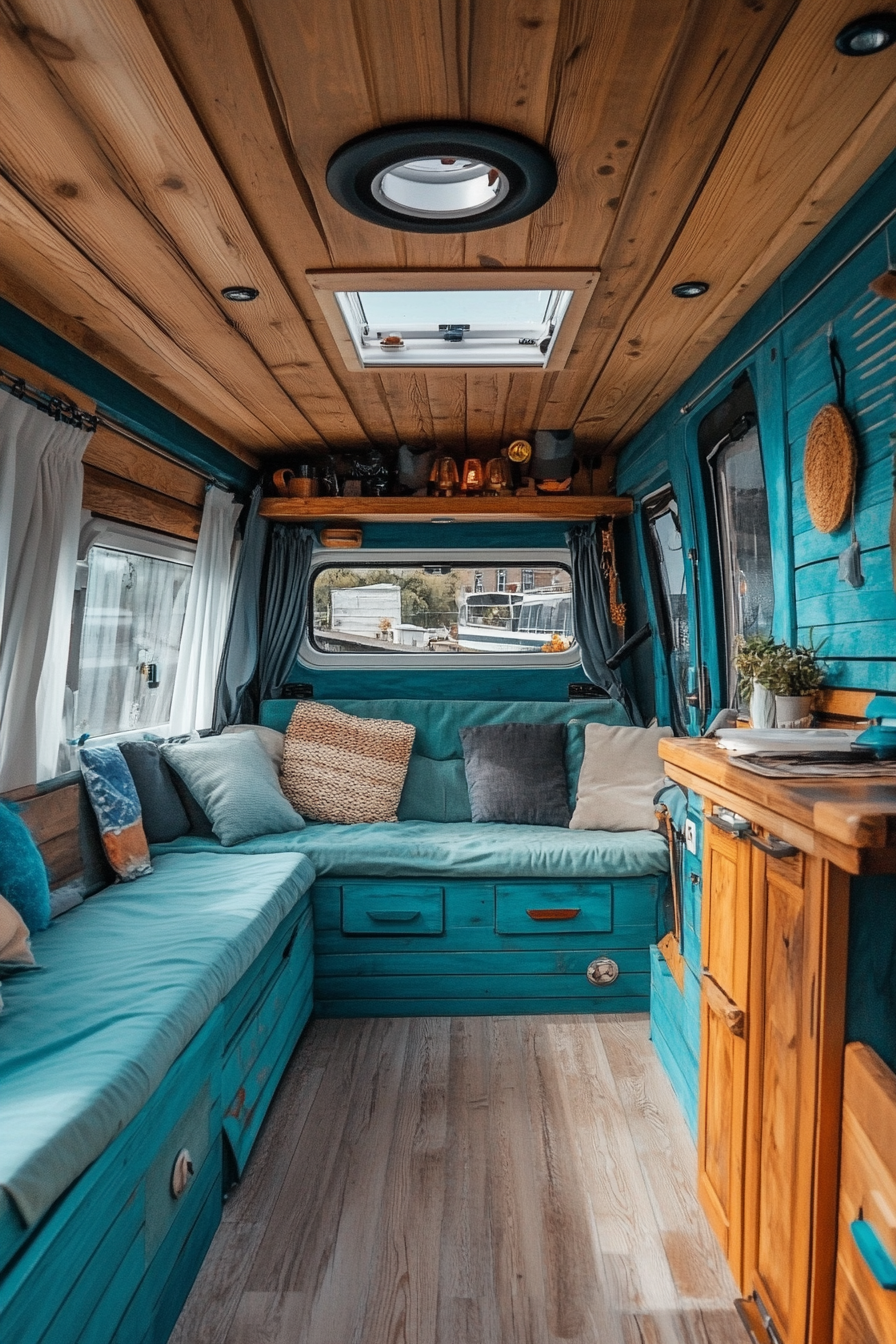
(337, 767)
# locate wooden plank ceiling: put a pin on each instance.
(153, 151)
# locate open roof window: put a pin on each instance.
(454, 319)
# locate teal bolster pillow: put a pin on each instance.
(234, 781)
(434, 791)
(23, 877)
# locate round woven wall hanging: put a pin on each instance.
(829, 468)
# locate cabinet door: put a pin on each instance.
(721, 1127)
(796, 1007)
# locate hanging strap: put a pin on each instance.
(838, 368)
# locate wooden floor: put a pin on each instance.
(506, 1180)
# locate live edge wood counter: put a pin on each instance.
(776, 954)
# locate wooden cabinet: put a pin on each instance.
(775, 936)
(725, 941)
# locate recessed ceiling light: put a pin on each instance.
(441, 177)
(240, 293)
(868, 36)
(690, 289)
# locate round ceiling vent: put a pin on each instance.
(441, 177)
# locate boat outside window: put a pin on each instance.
(666, 563)
(446, 609)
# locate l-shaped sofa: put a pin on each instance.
(136, 1068)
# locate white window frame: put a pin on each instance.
(459, 557)
(114, 536)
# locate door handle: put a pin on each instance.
(556, 914)
(779, 849)
(393, 916)
(874, 1253)
(718, 1002)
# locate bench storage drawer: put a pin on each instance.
(394, 910)
(865, 1293)
(554, 908)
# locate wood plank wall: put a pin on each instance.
(123, 480)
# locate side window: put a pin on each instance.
(666, 563)
(735, 482)
(127, 624)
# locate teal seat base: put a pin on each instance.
(454, 958)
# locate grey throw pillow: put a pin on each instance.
(516, 773)
(164, 817)
(235, 783)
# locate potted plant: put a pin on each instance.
(752, 660)
(793, 675)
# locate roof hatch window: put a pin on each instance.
(459, 326)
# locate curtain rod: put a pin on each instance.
(710, 387)
(63, 408)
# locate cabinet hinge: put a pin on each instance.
(756, 1320)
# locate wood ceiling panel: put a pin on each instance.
(51, 156)
(120, 85)
(796, 130)
(48, 277)
(162, 148)
(215, 55)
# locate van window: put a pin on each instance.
(127, 624)
(665, 561)
(479, 608)
(736, 481)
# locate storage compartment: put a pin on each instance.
(387, 909)
(554, 908)
(865, 1297)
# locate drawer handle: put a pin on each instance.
(874, 1254)
(393, 916)
(735, 828)
(555, 913)
(718, 1002)
(779, 849)
(181, 1173)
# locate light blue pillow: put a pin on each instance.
(234, 781)
(434, 791)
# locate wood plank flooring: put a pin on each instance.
(480, 1180)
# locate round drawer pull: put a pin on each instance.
(181, 1173)
(602, 971)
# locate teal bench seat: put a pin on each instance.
(163, 1017)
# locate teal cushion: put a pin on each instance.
(434, 791)
(234, 781)
(575, 755)
(129, 978)
(429, 849)
(23, 877)
(438, 721)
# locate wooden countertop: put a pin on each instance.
(850, 822)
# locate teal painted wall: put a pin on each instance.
(790, 373)
(466, 683)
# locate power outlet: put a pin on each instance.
(690, 836)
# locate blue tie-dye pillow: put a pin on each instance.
(113, 796)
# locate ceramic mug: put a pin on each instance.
(282, 479)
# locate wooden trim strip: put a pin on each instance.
(718, 1002)
(128, 461)
(112, 497)
(410, 507)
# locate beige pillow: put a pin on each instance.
(620, 776)
(15, 949)
(270, 739)
(337, 767)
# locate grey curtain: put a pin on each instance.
(591, 616)
(285, 605)
(239, 659)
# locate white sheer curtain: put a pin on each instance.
(41, 483)
(205, 623)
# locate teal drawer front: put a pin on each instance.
(554, 908)
(393, 910)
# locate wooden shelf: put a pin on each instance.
(412, 508)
